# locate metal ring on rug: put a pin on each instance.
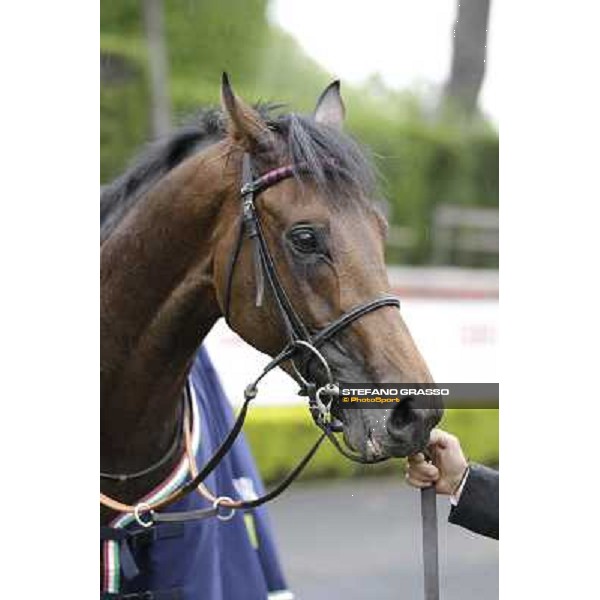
(217, 505)
(136, 513)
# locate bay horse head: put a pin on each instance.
(323, 235)
(178, 253)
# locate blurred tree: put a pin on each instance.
(157, 59)
(468, 56)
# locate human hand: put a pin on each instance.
(447, 468)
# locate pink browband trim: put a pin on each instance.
(272, 177)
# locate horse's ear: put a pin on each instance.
(244, 123)
(330, 108)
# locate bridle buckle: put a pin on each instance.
(321, 408)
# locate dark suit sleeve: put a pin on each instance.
(477, 508)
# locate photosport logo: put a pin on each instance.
(420, 395)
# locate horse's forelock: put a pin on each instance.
(330, 158)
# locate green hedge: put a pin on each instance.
(424, 163)
(280, 436)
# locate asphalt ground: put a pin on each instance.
(361, 539)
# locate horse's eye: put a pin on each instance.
(304, 240)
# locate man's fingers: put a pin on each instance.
(430, 471)
(418, 483)
(424, 471)
(437, 437)
(442, 439)
(417, 458)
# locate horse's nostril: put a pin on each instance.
(402, 417)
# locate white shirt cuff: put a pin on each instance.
(454, 498)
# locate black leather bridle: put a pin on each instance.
(300, 344)
(300, 341)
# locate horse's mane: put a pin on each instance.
(329, 157)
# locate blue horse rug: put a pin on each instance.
(209, 559)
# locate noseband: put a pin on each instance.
(300, 341)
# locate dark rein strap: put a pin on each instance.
(215, 510)
(190, 486)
